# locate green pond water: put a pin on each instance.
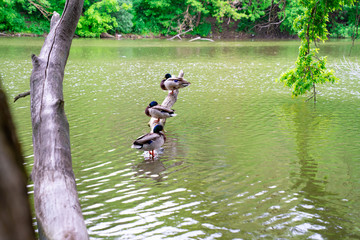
(242, 160)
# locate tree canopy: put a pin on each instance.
(170, 17)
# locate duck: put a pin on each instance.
(170, 83)
(150, 141)
(158, 111)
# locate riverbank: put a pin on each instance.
(217, 34)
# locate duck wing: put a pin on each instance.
(149, 137)
(176, 83)
(163, 109)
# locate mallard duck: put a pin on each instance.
(150, 141)
(170, 83)
(158, 111)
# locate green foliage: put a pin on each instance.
(169, 17)
(98, 19)
(203, 29)
(155, 15)
(292, 10)
(106, 16)
(172, 17)
(343, 23)
(222, 9)
(22, 16)
(10, 18)
(309, 68)
(124, 17)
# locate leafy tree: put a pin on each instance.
(292, 10)
(98, 18)
(10, 18)
(172, 17)
(258, 15)
(345, 23)
(106, 16)
(23, 16)
(310, 69)
(124, 17)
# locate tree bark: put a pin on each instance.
(57, 206)
(15, 213)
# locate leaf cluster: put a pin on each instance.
(106, 16)
(310, 70)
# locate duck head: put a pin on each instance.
(153, 103)
(162, 85)
(158, 128)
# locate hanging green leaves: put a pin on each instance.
(310, 69)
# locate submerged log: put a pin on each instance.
(168, 102)
(57, 206)
(178, 35)
(15, 213)
(106, 35)
(200, 38)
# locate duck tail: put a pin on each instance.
(136, 146)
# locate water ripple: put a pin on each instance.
(242, 159)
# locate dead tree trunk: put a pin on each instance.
(57, 206)
(168, 102)
(15, 213)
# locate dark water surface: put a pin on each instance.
(243, 160)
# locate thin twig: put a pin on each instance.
(41, 9)
(200, 38)
(21, 95)
(309, 98)
(178, 35)
(355, 34)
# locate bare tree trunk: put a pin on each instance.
(57, 206)
(15, 213)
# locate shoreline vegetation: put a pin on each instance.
(169, 19)
(234, 36)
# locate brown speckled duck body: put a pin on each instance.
(158, 111)
(173, 83)
(150, 141)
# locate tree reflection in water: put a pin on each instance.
(314, 213)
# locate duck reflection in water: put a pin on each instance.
(154, 169)
(151, 141)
